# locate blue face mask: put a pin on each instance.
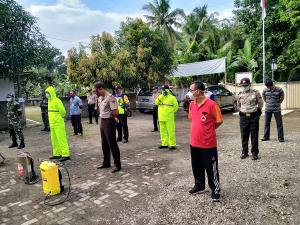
(8, 99)
(47, 95)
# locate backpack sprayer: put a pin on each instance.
(52, 182)
(26, 168)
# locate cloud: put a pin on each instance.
(226, 13)
(73, 22)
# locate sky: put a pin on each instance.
(68, 22)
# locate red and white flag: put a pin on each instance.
(263, 8)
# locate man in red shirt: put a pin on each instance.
(206, 117)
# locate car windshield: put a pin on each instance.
(145, 92)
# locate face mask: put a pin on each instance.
(8, 99)
(190, 95)
(246, 88)
(47, 95)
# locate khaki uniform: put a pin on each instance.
(250, 104)
(107, 104)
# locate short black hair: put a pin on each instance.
(199, 85)
(269, 83)
(99, 84)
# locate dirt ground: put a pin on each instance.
(153, 185)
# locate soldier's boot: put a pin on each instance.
(14, 144)
(22, 145)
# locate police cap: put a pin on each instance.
(245, 81)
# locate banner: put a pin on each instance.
(200, 68)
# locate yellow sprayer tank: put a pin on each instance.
(50, 177)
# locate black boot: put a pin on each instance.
(22, 145)
(14, 144)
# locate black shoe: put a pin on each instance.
(22, 145)
(54, 157)
(13, 145)
(45, 129)
(254, 157)
(265, 139)
(116, 169)
(244, 156)
(103, 167)
(162, 146)
(215, 197)
(155, 130)
(172, 148)
(125, 141)
(63, 159)
(75, 134)
(119, 140)
(196, 189)
(280, 139)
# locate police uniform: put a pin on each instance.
(44, 110)
(122, 126)
(14, 123)
(250, 104)
(107, 104)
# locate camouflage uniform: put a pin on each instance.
(44, 110)
(14, 123)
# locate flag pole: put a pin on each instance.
(263, 15)
(264, 53)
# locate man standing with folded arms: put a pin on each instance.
(273, 97)
(108, 113)
(206, 117)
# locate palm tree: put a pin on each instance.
(162, 18)
(245, 58)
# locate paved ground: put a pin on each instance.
(153, 185)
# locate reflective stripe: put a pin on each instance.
(53, 110)
(167, 105)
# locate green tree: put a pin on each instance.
(280, 33)
(162, 17)
(148, 52)
(22, 46)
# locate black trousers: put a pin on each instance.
(91, 109)
(155, 117)
(249, 125)
(206, 160)
(278, 118)
(109, 142)
(122, 127)
(76, 123)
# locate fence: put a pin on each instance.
(291, 90)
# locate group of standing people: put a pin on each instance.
(250, 103)
(204, 113)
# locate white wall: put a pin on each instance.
(6, 87)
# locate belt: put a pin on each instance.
(247, 114)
